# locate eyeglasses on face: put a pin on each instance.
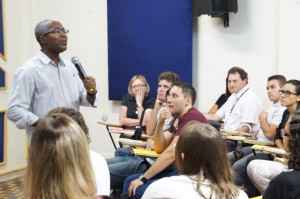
(56, 31)
(287, 93)
(137, 86)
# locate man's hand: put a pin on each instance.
(150, 144)
(263, 116)
(158, 101)
(164, 114)
(133, 186)
(90, 85)
(255, 134)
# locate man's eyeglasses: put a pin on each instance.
(56, 31)
(287, 93)
(137, 86)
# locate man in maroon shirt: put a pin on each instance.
(180, 101)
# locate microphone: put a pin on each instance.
(79, 67)
(82, 74)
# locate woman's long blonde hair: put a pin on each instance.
(201, 152)
(59, 164)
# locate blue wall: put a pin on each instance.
(147, 38)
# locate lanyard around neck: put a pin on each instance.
(238, 100)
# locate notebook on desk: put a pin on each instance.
(256, 142)
(146, 153)
(126, 132)
(234, 132)
(269, 149)
(275, 150)
(229, 132)
(236, 137)
(257, 147)
(131, 142)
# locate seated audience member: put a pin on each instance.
(136, 104)
(180, 101)
(99, 165)
(287, 183)
(205, 171)
(126, 164)
(219, 103)
(269, 121)
(165, 82)
(59, 163)
(241, 110)
(261, 172)
(221, 100)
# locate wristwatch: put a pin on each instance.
(92, 94)
(143, 179)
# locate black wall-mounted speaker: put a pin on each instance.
(217, 8)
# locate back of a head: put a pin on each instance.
(294, 141)
(201, 152)
(198, 142)
(59, 163)
(76, 116)
(169, 76)
(187, 90)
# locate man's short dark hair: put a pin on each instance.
(242, 72)
(187, 90)
(280, 78)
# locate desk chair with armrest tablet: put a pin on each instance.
(108, 128)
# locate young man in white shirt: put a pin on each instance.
(269, 121)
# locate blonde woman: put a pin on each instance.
(205, 172)
(59, 163)
(136, 102)
(99, 164)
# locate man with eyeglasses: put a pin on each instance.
(48, 81)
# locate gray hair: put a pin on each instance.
(41, 28)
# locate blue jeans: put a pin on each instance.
(240, 170)
(230, 145)
(122, 166)
(141, 189)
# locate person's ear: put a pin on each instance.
(42, 39)
(182, 156)
(188, 101)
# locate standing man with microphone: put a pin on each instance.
(47, 81)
